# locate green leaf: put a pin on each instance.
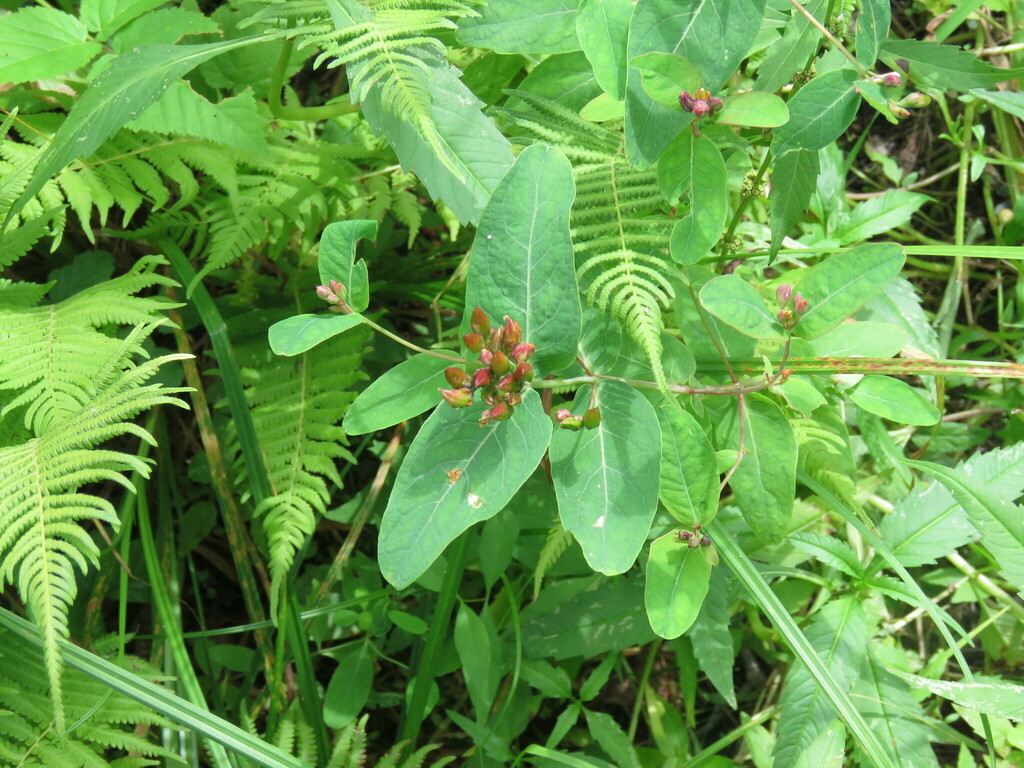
(839, 633)
(523, 26)
(829, 550)
(753, 108)
(827, 750)
(819, 113)
(789, 54)
(714, 37)
(522, 264)
(428, 510)
(476, 155)
(693, 168)
(612, 739)
(689, 471)
(119, 94)
(480, 656)
(876, 96)
(862, 338)
(566, 622)
(606, 478)
(403, 392)
(234, 121)
(765, 480)
(872, 28)
(409, 623)
(736, 302)
(997, 699)
(665, 75)
(677, 581)
(337, 259)
(711, 639)
(842, 284)
(894, 400)
(800, 394)
(107, 16)
(550, 680)
(879, 214)
(601, 28)
(350, 685)
(602, 108)
(794, 180)
(39, 43)
(1000, 522)
(945, 66)
(300, 333)
(1008, 101)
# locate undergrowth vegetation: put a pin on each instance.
(578, 383)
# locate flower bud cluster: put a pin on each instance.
(701, 104)
(567, 420)
(695, 538)
(505, 370)
(334, 294)
(789, 317)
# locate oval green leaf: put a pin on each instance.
(692, 169)
(754, 108)
(405, 391)
(737, 303)
(894, 400)
(819, 113)
(665, 75)
(350, 686)
(689, 471)
(677, 582)
(300, 333)
(456, 473)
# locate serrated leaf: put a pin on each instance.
(613, 740)
(797, 174)
(403, 392)
(428, 509)
(677, 581)
(894, 400)
(999, 521)
(737, 303)
(879, 214)
(689, 473)
(790, 53)
(946, 66)
(714, 37)
(606, 478)
(828, 550)
(601, 28)
(819, 113)
(872, 29)
(523, 26)
(550, 680)
(753, 108)
(105, 17)
(522, 263)
(38, 43)
(337, 259)
(842, 284)
(997, 699)
(765, 480)
(300, 333)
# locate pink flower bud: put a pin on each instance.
(457, 377)
(686, 101)
(485, 356)
(562, 414)
(799, 304)
(522, 352)
(693, 542)
(592, 418)
(500, 363)
(499, 412)
(705, 540)
(782, 294)
(482, 377)
(508, 384)
(785, 317)
(326, 294)
(457, 398)
(715, 103)
(337, 288)
(897, 111)
(474, 342)
(479, 322)
(700, 108)
(684, 535)
(915, 99)
(890, 79)
(513, 332)
(524, 372)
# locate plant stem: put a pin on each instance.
(394, 337)
(831, 38)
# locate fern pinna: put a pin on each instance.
(72, 387)
(297, 406)
(619, 233)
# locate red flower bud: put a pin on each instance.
(482, 377)
(705, 540)
(522, 352)
(457, 398)
(686, 101)
(457, 377)
(513, 332)
(592, 418)
(508, 384)
(479, 322)
(889, 79)
(499, 363)
(562, 414)
(524, 372)
(783, 293)
(684, 535)
(799, 304)
(474, 342)
(499, 412)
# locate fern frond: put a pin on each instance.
(557, 541)
(825, 454)
(41, 506)
(350, 747)
(297, 406)
(105, 722)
